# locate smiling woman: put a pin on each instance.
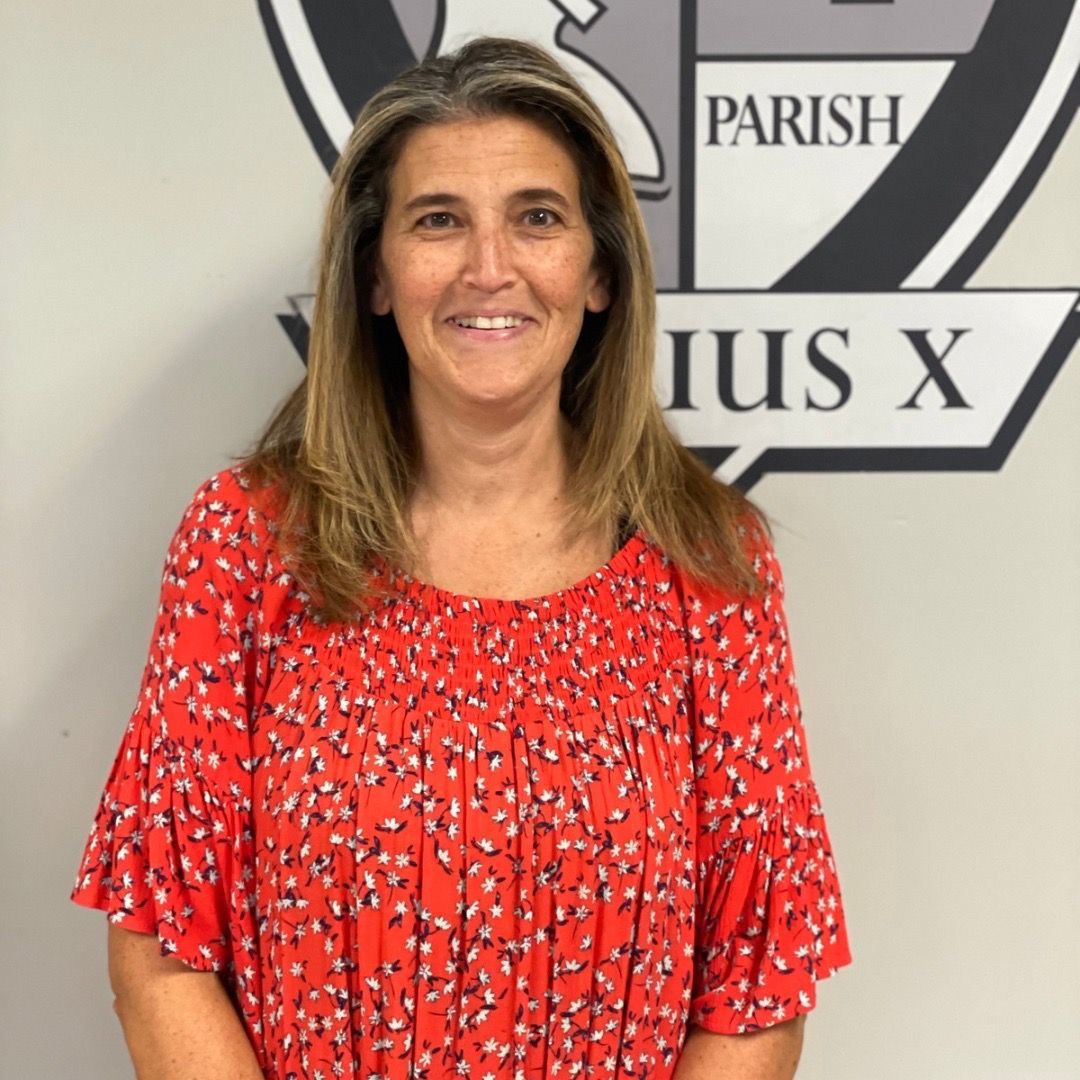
(468, 741)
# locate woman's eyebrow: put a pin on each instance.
(435, 198)
(541, 194)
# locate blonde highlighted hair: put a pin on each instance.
(341, 451)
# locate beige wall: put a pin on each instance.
(160, 199)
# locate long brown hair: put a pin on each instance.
(342, 452)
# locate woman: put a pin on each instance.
(468, 743)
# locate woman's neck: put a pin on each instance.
(493, 472)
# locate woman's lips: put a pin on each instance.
(472, 333)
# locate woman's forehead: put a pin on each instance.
(503, 153)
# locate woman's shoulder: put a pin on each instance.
(233, 502)
(229, 521)
(752, 535)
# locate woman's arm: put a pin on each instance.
(769, 1054)
(179, 1023)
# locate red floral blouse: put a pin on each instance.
(469, 837)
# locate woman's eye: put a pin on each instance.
(541, 217)
(439, 219)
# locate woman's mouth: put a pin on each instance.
(489, 328)
(488, 322)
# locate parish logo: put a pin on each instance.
(820, 180)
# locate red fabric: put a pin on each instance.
(466, 836)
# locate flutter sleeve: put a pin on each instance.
(171, 848)
(769, 921)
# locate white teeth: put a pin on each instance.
(482, 322)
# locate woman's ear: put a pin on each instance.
(380, 299)
(598, 297)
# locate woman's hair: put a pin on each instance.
(342, 452)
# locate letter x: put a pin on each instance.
(935, 367)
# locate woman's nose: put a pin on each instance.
(489, 262)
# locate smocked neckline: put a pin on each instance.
(444, 600)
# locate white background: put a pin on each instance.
(160, 198)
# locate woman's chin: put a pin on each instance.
(496, 392)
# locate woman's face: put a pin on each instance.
(486, 261)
